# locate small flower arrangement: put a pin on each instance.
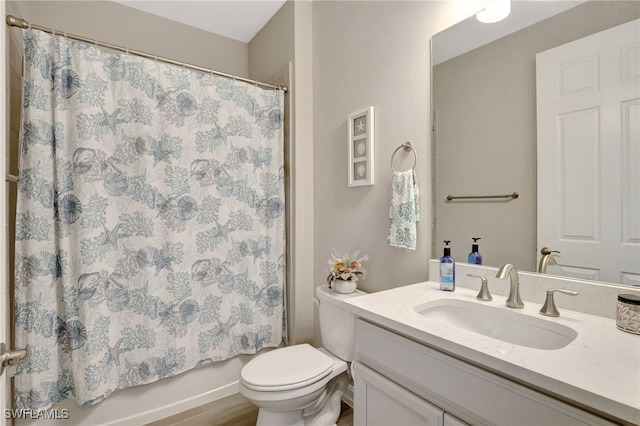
(347, 266)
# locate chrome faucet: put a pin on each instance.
(549, 308)
(484, 294)
(546, 259)
(513, 300)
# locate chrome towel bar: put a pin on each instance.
(512, 196)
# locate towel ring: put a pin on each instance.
(407, 147)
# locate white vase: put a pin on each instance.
(344, 286)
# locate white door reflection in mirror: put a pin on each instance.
(588, 110)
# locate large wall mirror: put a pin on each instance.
(485, 133)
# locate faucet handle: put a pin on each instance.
(549, 308)
(484, 294)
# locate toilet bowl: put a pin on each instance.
(302, 385)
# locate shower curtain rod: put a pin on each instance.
(19, 22)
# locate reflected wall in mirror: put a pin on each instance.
(485, 128)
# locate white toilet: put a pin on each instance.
(302, 385)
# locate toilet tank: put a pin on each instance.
(337, 325)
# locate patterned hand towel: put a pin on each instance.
(404, 211)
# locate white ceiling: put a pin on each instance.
(242, 19)
(236, 19)
(471, 33)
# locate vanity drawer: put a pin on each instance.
(468, 392)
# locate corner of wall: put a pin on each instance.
(302, 162)
(286, 42)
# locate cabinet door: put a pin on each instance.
(449, 420)
(379, 401)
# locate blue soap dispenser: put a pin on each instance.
(447, 270)
(475, 258)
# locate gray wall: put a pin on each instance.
(486, 135)
(372, 53)
(282, 52)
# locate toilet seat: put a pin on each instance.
(286, 368)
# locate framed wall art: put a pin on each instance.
(361, 148)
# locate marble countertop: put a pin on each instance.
(599, 369)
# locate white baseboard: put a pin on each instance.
(178, 406)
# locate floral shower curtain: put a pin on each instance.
(150, 221)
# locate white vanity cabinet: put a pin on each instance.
(401, 382)
(380, 402)
(449, 420)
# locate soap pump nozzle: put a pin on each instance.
(475, 258)
(474, 246)
(447, 249)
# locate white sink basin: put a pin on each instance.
(497, 323)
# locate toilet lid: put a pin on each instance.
(286, 368)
